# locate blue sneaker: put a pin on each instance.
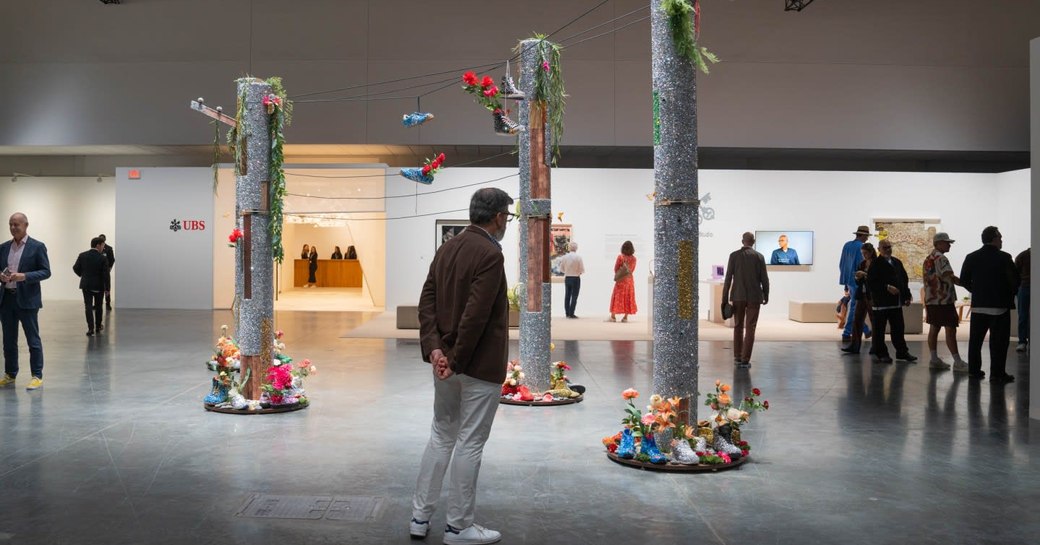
(650, 449)
(415, 174)
(219, 394)
(627, 448)
(415, 119)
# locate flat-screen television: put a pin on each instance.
(785, 247)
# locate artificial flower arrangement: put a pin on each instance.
(424, 174)
(281, 385)
(513, 388)
(484, 89)
(712, 442)
(234, 237)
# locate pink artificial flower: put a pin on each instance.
(304, 364)
(547, 398)
(491, 91)
(648, 419)
(725, 458)
(279, 334)
(545, 65)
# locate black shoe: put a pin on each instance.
(743, 364)
(100, 327)
(1002, 379)
(906, 357)
(846, 338)
(977, 375)
(108, 307)
(850, 349)
(90, 332)
(505, 126)
(884, 359)
(580, 388)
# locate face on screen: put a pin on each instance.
(785, 247)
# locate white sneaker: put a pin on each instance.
(418, 529)
(938, 363)
(473, 535)
(960, 366)
(1021, 347)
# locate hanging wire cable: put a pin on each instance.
(387, 82)
(605, 33)
(318, 215)
(404, 196)
(467, 163)
(605, 23)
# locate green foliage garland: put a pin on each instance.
(548, 88)
(280, 119)
(683, 34)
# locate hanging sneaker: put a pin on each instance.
(415, 174)
(505, 126)
(415, 119)
(509, 89)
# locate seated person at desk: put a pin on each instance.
(784, 255)
(351, 252)
(337, 254)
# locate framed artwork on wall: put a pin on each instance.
(560, 235)
(447, 229)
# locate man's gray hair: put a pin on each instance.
(487, 203)
(572, 247)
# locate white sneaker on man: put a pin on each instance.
(474, 535)
(1022, 347)
(418, 529)
(960, 366)
(937, 363)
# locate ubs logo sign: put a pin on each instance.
(187, 225)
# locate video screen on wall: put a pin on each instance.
(785, 247)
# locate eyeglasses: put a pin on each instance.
(885, 247)
(509, 216)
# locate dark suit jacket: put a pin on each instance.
(463, 309)
(880, 275)
(92, 269)
(35, 265)
(110, 254)
(990, 275)
(746, 275)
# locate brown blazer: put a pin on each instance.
(746, 275)
(463, 309)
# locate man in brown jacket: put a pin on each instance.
(746, 275)
(464, 334)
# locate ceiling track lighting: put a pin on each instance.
(796, 5)
(110, 1)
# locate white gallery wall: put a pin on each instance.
(1034, 116)
(164, 268)
(609, 206)
(64, 213)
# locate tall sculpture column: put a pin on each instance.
(254, 277)
(675, 217)
(535, 212)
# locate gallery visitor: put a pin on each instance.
(862, 298)
(337, 254)
(110, 254)
(312, 268)
(1022, 264)
(889, 293)
(351, 252)
(623, 298)
(92, 269)
(306, 253)
(940, 299)
(847, 267)
(747, 288)
(25, 265)
(991, 277)
(573, 267)
(464, 334)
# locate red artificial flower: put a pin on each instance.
(612, 448)
(235, 235)
(497, 110)
(756, 391)
(277, 398)
(487, 82)
(491, 91)
(470, 78)
(440, 158)
(765, 404)
(426, 169)
(744, 452)
(742, 443)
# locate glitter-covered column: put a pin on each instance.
(535, 210)
(675, 217)
(254, 275)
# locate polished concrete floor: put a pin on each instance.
(116, 447)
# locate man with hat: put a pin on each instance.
(940, 295)
(851, 257)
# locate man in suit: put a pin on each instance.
(464, 334)
(991, 277)
(889, 289)
(92, 269)
(24, 265)
(746, 275)
(111, 255)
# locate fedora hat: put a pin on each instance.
(942, 237)
(862, 230)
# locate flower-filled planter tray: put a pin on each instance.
(678, 468)
(540, 403)
(268, 410)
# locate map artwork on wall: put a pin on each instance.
(560, 237)
(911, 241)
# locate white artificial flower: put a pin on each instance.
(733, 415)
(517, 367)
(521, 375)
(512, 382)
(312, 369)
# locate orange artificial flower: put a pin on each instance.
(724, 399)
(675, 401)
(724, 387)
(630, 393)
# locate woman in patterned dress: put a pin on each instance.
(623, 300)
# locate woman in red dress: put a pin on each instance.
(623, 300)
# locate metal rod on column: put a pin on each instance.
(535, 210)
(675, 217)
(256, 315)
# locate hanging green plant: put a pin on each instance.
(548, 88)
(280, 110)
(682, 17)
(235, 134)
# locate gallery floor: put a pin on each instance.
(116, 448)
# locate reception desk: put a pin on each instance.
(331, 273)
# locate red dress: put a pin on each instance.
(623, 300)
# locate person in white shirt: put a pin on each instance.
(572, 267)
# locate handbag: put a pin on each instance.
(622, 272)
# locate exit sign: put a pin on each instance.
(134, 174)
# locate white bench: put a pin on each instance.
(811, 311)
(408, 317)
